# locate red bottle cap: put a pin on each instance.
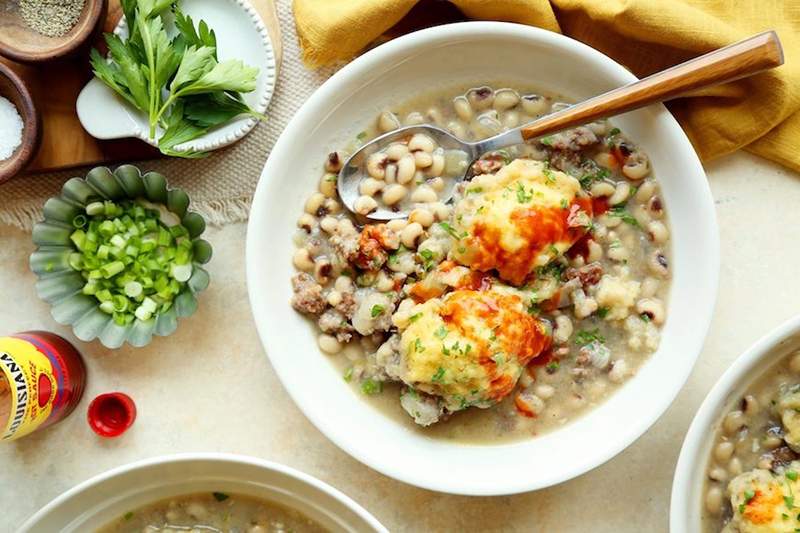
(110, 415)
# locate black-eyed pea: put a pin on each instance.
(723, 452)
(423, 159)
(488, 123)
(334, 162)
(462, 108)
(345, 227)
(440, 211)
(328, 224)
(437, 184)
(327, 185)
(505, 99)
(307, 222)
(714, 499)
(422, 216)
(544, 391)
(733, 422)
(414, 118)
(376, 165)
(658, 232)
(331, 206)
(391, 174)
(323, 269)
(344, 284)
(794, 363)
(394, 193)
(751, 405)
(388, 121)
(480, 98)
(619, 371)
(411, 235)
(510, 119)
(610, 222)
(601, 189)
(437, 165)
(421, 142)
(329, 344)
(618, 252)
(655, 206)
(384, 283)
(651, 308)
(302, 260)
(365, 205)
(457, 129)
(434, 116)
(646, 189)
(658, 264)
(370, 186)
(636, 166)
(334, 297)
(621, 193)
(641, 215)
(605, 159)
(563, 330)
(406, 167)
(423, 195)
(397, 224)
(595, 251)
(650, 287)
(534, 104)
(735, 466)
(314, 203)
(395, 151)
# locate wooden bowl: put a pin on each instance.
(21, 43)
(12, 88)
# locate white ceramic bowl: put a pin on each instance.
(443, 56)
(241, 34)
(100, 500)
(690, 473)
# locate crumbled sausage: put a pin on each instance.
(347, 305)
(588, 274)
(335, 323)
(307, 294)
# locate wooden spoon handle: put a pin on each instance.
(739, 60)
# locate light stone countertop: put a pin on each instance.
(209, 387)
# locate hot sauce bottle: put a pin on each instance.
(42, 378)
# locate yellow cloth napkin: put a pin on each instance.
(761, 114)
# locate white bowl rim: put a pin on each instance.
(208, 456)
(372, 59)
(689, 459)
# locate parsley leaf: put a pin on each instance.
(584, 337)
(622, 213)
(376, 310)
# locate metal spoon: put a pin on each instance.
(739, 60)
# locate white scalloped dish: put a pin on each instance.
(241, 34)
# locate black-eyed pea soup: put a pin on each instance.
(511, 310)
(752, 474)
(215, 512)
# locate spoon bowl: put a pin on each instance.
(736, 61)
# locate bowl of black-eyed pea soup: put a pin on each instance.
(740, 462)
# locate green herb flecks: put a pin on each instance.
(371, 387)
(348, 374)
(441, 333)
(584, 337)
(452, 231)
(522, 196)
(220, 496)
(624, 215)
(127, 516)
(376, 310)
(438, 377)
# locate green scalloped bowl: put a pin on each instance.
(60, 286)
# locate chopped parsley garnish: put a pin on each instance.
(493, 336)
(547, 140)
(480, 209)
(548, 174)
(441, 333)
(445, 349)
(370, 387)
(361, 136)
(418, 347)
(624, 215)
(644, 317)
(564, 203)
(789, 500)
(331, 177)
(414, 317)
(376, 310)
(533, 307)
(498, 359)
(791, 474)
(522, 196)
(613, 132)
(438, 377)
(427, 257)
(552, 366)
(452, 231)
(467, 349)
(602, 312)
(220, 496)
(348, 374)
(584, 337)
(588, 179)
(128, 515)
(474, 190)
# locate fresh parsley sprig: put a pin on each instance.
(177, 81)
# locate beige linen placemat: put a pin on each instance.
(222, 185)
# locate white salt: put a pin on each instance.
(10, 128)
